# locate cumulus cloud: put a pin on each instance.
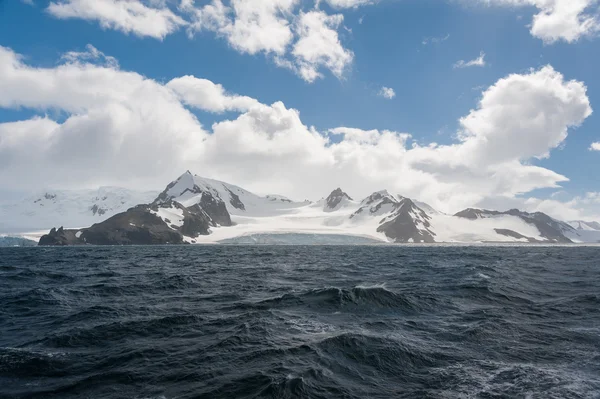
(477, 62)
(305, 42)
(595, 146)
(387, 92)
(348, 3)
(208, 96)
(567, 20)
(119, 125)
(124, 129)
(249, 27)
(319, 46)
(128, 16)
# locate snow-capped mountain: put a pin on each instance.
(549, 229)
(586, 231)
(336, 200)
(73, 208)
(587, 226)
(194, 209)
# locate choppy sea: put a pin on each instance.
(300, 322)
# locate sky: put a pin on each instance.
(457, 103)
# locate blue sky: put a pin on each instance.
(410, 46)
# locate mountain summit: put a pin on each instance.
(335, 200)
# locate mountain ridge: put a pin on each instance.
(194, 209)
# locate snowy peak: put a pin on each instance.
(191, 189)
(336, 200)
(376, 204)
(407, 223)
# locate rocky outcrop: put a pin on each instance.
(59, 237)
(235, 200)
(145, 225)
(335, 199)
(215, 208)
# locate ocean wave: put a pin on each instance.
(366, 297)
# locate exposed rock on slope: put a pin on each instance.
(551, 229)
(407, 223)
(141, 225)
(335, 200)
(403, 221)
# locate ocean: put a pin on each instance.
(300, 322)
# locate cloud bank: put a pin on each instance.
(122, 128)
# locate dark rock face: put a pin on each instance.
(334, 199)
(235, 200)
(137, 226)
(215, 208)
(551, 229)
(408, 223)
(97, 210)
(59, 237)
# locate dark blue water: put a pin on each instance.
(300, 322)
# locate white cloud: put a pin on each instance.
(120, 126)
(477, 62)
(534, 110)
(595, 146)
(304, 42)
(348, 3)
(124, 129)
(435, 40)
(319, 46)
(208, 96)
(249, 27)
(128, 16)
(567, 20)
(91, 54)
(387, 92)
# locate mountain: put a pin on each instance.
(587, 226)
(550, 230)
(587, 231)
(336, 200)
(194, 209)
(74, 208)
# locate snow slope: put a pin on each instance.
(585, 231)
(71, 208)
